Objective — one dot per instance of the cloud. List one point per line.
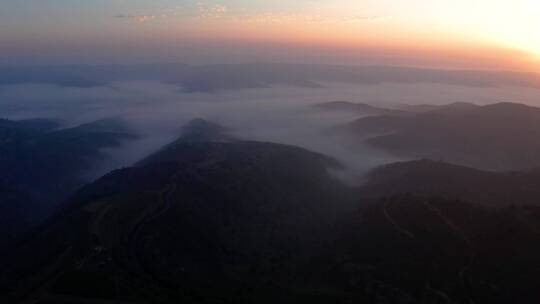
(220, 12)
(143, 18)
(224, 15)
(217, 11)
(365, 18)
(139, 18)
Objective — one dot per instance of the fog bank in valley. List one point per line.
(157, 110)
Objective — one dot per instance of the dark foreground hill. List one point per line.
(201, 220)
(434, 178)
(500, 136)
(41, 164)
(411, 249)
(214, 219)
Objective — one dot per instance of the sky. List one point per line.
(490, 34)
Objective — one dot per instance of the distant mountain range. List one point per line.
(219, 77)
(422, 108)
(500, 136)
(359, 108)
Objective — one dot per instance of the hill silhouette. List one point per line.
(483, 137)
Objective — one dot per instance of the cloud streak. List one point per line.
(138, 18)
(219, 12)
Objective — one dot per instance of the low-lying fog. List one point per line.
(279, 114)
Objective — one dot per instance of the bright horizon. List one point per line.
(496, 34)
